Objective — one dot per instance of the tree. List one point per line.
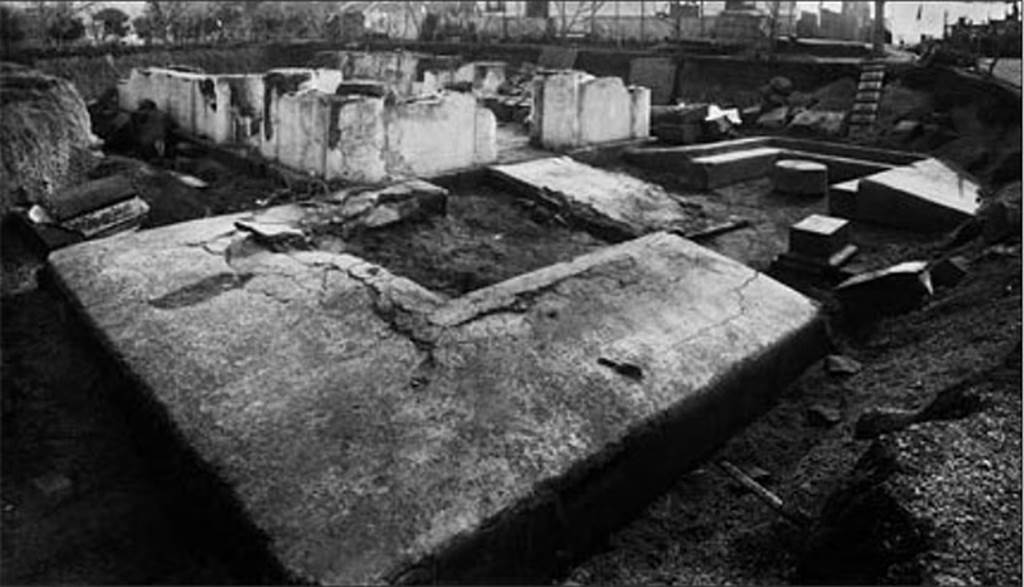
(143, 25)
(115, 22)
(66, 28)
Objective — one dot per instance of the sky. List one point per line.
(902, 16)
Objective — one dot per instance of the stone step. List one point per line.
(872, 76)
(872, 96)
(860, 118)
(865, 108)
(873, 86)
(726, 168)
(869, 66)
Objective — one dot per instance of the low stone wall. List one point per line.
(295, 117)
(573, 108)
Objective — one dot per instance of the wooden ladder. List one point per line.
(869, 95)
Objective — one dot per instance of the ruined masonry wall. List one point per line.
(292, 116)
(573, 108)
(414, 74)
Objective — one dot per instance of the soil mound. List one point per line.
(44, 144)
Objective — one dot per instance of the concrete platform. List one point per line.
(373, 431)
(613, 204)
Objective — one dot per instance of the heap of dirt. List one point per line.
(44, 146)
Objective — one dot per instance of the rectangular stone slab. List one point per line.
(376, 432)
(609, 201)
(928, 196)
(726, 168)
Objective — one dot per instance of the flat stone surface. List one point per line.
(928, 195)
(609, 200)
(819, 236)
(722, 169)
(372, 429)
(798, 176)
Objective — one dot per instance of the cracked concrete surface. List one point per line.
(376, 431)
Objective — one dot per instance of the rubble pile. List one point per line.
(514, 99)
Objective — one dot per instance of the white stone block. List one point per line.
(355, 139)
(556, 123)
(640, 112)
(605, 113)
(431, 135)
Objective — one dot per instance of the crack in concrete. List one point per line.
(738, 291)
(519, 302)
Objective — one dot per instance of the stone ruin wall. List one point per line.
(293, 116)
(574, 108)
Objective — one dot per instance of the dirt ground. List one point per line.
(487, 236)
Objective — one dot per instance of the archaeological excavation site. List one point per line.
(511, 293)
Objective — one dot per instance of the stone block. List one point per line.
(572, 108)
(819, 236)
(948, 272)
(485, 76)
(614, 203)
(303, 122)
(842, 199)
(89, 196)
(892, 290)
(719, 169)
(431, 135)
(928, 196)
(556, 122)
(640, 112)
(605, 111)
(356, 139)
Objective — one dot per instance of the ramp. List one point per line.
(617, 205)
(928, 196)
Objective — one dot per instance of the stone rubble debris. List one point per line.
(821, 416)
(891, 290)
(818, 245)
(841, 365)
